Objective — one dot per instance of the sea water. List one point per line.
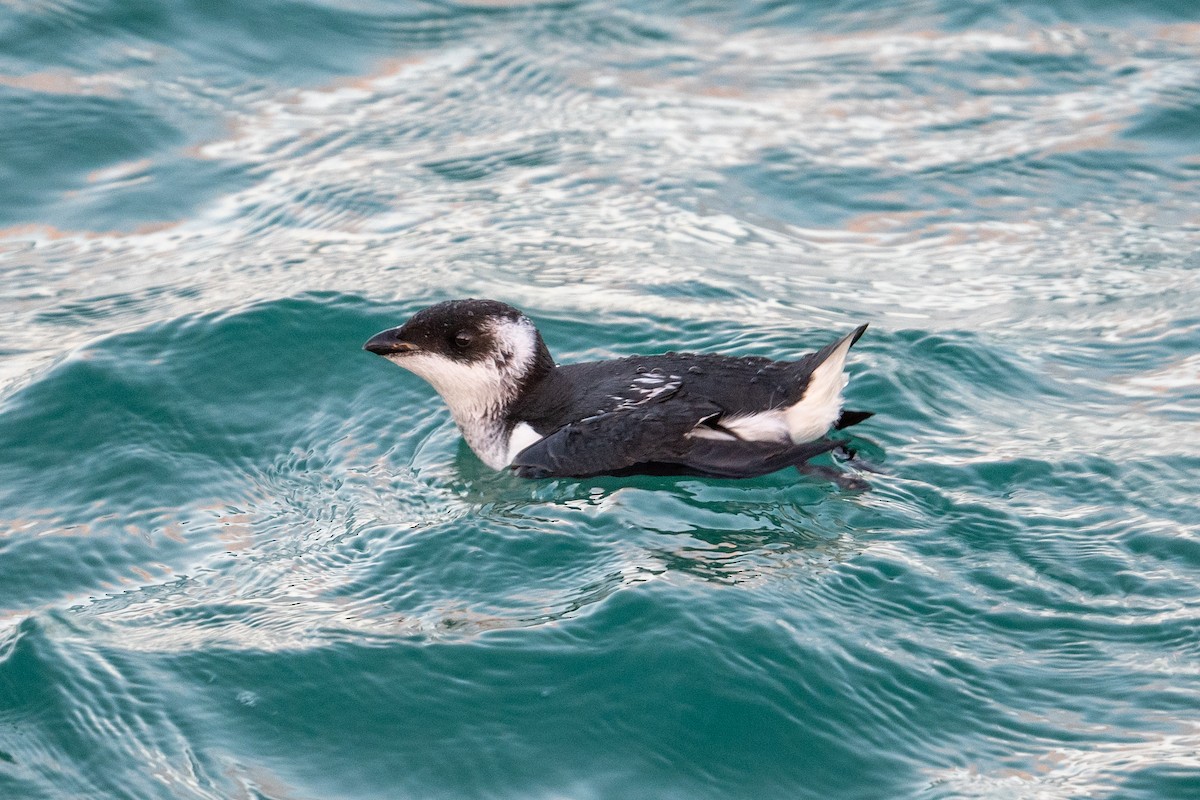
(241, 558)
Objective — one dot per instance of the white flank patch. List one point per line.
(705, 432)
(804, 421)
(765, 426)
(821, 405)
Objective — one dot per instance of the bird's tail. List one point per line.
(849, 418)
(821, 405)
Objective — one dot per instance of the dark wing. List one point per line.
(613, 441)
(653, 439)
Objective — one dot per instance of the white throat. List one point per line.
(479, 393)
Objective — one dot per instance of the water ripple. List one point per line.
(228, 536)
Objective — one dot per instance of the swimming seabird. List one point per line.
(673, 414)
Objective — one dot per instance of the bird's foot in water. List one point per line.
(844, 480)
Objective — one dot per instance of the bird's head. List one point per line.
(477, 354)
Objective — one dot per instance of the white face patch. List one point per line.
(479, 393)
(517, 343)
(469, 389)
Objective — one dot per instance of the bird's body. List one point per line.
(678, 413)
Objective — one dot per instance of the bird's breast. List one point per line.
(522, 436)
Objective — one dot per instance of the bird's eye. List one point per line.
(463, 339)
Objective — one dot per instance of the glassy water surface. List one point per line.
(241, 558)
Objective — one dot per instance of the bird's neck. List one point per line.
(488, 436)
(486, 418)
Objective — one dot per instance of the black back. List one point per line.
(732, 385)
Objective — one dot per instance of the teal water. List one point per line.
(240, 558)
